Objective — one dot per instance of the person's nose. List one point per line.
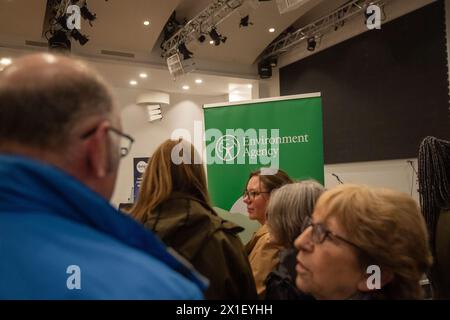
(247, 199)
(304, 241)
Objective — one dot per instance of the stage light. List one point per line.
(245, 21)
(59, 42)
(202, 38)
(82, 39)
(216, 37)
(311, 44)
(86, 14)
(184, 51)
(264, 69)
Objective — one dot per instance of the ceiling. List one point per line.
(119, 28)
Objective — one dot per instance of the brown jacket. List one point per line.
(210, 243)
(263, 257)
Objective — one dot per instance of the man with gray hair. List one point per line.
(60, 149)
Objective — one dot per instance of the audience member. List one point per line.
(174, 203)
(59, 154)
(363, 243)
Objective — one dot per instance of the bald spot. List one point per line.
(44, 96)
(41, 70)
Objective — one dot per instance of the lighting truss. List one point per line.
(320, 26)
(210, 17)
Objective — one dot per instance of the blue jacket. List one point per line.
(60, 240)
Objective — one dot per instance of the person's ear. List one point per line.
(375, 278)
(97, 151)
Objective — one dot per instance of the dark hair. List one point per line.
(271, 181)
(434, 182)
(41, 115)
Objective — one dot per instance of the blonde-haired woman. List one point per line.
(363, 243)
(174, 203)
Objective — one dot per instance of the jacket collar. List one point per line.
(34, 187)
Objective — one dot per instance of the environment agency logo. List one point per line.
(233, 146)
(225, 147)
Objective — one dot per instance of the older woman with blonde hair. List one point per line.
(287, 211)
(174, 203)
(363, 243)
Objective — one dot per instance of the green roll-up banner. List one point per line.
(284, 133)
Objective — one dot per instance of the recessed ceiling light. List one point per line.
(133, 82)
(272, 30)
(146, 23)
(199, 81)
(143, 75)
(185, 87)
(5, 61)
(211, 42)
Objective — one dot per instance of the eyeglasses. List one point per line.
(125, 143)
(252, 194)
(320, 233)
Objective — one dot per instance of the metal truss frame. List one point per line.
(320, 26)
(210, 17)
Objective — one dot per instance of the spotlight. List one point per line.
(245, 21)
(86, 14)
(82, 39)
(311, 44)
(59, 42)
(265, 69)
(171, 27)
(202, 38)
(184, 51)
(216, 37)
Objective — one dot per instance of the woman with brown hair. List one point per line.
(174, 203)
(363, 243)
(262, 252)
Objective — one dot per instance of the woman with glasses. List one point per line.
(363, 243)
(262, 252)
(174, 203)
(288, 209)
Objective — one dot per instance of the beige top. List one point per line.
(263, 257)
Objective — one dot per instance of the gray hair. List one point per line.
(41, 111)
(288, 207)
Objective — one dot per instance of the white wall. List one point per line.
(182, 112)
(394, 174)
(269, 88)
